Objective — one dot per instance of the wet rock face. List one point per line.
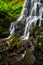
(20, 25)
(41, 1)
(42, 22)
(28, 7)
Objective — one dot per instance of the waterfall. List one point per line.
(31, 12)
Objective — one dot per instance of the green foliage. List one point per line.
(9, 11)
(12, 7)
(27, 57)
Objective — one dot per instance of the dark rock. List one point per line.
(1, 58)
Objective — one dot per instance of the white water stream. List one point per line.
(30, 16)
(36, 11)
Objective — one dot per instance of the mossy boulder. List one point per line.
(29, 59)
(37, 40)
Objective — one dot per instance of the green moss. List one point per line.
(20, 50)
(14, 40)
(38, 33)
(36, 41)
(27, 58)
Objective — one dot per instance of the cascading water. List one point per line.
(31, 12)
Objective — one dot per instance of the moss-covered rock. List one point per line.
(29, 59)
(37, 40)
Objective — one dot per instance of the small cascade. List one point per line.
(31, 13)
(35, 14)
